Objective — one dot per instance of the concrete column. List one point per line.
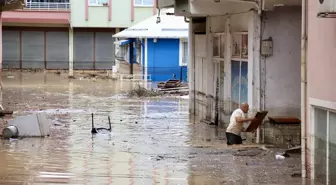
(191, 69)
(209, 72)
(0, 45)
(227, 89)
(254, 66)
(146, 63)
(1, 60)
(71, 52)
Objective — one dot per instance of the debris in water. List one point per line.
(293, 150)
(143, 92)
(248, 152)
(279, 157)
(296, 174)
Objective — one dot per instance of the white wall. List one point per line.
(283, 68)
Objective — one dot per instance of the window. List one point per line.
(144, 2)
(240, 45)
(98, 2)
(218, 46)
(324, 146)
(185, 54)
(239, 83)
(215, 46)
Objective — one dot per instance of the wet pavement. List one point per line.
(152, 140)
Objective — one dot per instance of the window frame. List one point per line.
(221, 46)
(96, 4)
(240, 36)
(314, 105)
(142, 4)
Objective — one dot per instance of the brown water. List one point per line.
(152, 141)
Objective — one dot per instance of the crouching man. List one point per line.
(237, 120)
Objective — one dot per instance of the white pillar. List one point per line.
(209, 72)
(254, 85)
(71, 52)
(1, 59)
(227, 95)
(146, 63)
(191, 69)
(1, 43)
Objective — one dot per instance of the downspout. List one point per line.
(304, 88)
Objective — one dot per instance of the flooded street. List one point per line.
(152, 140)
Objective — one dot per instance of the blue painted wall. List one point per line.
(163, 60)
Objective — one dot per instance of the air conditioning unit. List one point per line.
(326, 9)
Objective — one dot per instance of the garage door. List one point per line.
(11, 49)
(83, 50)
(57, 50)
(33, 49)
(104, 47)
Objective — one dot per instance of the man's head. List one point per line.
(244, 107)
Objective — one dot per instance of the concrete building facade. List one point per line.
(229, 65)
(320, 103)
(67, 34)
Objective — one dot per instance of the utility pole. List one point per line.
(131, 55)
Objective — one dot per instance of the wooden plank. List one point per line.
(256, 123)
(284, 120)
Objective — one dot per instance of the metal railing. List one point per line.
(52, 6)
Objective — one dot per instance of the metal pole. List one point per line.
(131, 54)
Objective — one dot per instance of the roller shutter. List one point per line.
(83, 50)
(57, 50)
(11, 49)
(33, 49)
(104, 47)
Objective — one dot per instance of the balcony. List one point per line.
(47, 5)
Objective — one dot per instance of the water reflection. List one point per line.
(151, 141)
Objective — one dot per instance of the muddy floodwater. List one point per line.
(152, 140)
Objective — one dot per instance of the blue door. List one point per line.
(163, 60)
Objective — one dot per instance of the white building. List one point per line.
(224, 44)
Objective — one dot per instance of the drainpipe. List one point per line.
(304, 87)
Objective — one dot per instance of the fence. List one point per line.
(52, 6)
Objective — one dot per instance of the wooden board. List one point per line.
(256, 123)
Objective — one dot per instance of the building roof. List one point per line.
(170, 27)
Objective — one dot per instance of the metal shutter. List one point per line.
(33, 49)
(83, 50)
(104, 50)
(11, 49)
(57, 50)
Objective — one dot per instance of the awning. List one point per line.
(170, 26)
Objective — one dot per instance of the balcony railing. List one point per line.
(52, 6)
